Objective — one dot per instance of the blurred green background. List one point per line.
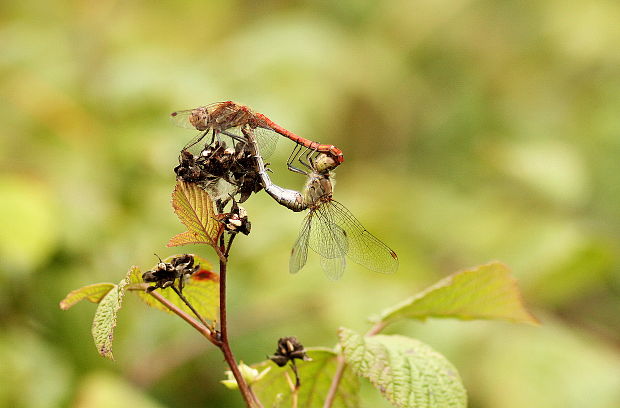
(472, 131)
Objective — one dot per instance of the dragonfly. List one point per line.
(329, 228)
(229, 118)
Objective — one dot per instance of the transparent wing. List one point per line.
(326, 237)
(196, 140)
(299, 253)
(220, 189)
(181, 118)
(329, 241)
(266, 139)
(333, 267)
(363, 247)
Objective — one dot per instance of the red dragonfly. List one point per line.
(229, 117)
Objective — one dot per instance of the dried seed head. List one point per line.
(166, 274)
(236, 220)
(289, 348)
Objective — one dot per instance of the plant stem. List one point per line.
(176, 310)
(294, 390)
(376, 328)
(247, 394)
(333, 388)
(188, 304)
(230, 241)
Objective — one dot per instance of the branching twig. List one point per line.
(230, 241)
(204, 330)
(188, 304)
(294, 389)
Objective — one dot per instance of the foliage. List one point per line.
(485, 292)
(201, 289)
(316, 377)
(406, 371)
(194, 208)
(93, 293)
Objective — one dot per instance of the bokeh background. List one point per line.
(472, 130)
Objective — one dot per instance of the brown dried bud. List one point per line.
(166, 273)
(289, 348)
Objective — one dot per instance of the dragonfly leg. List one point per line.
(309, 158)
(233, 136)
(196, 140)
(294, 155)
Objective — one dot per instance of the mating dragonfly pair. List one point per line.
(329, 229)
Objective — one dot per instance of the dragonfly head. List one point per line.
(199, 118)
(324, 163)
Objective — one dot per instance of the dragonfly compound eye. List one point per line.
(325, 163)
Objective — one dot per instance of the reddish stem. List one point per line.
(176, 310)
(247, 394)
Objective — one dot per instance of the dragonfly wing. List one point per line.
(333, 267)
(299, 253)
(195, 140)
(267, 140)
(363, 247)
(181, 118)
(328, 240)
(221, 189)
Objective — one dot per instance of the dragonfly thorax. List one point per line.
(318, 189)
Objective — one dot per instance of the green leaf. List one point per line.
(485, 292)
(105, 317)
(202, 290)
(194, 208)
(407, 372)
(316, 377)
(93, 293)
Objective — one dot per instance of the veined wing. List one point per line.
(333, 267)
(266, 139)
(329, 240)
(221, 189)
(363, 247)
(181, 118)
(299, 253)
